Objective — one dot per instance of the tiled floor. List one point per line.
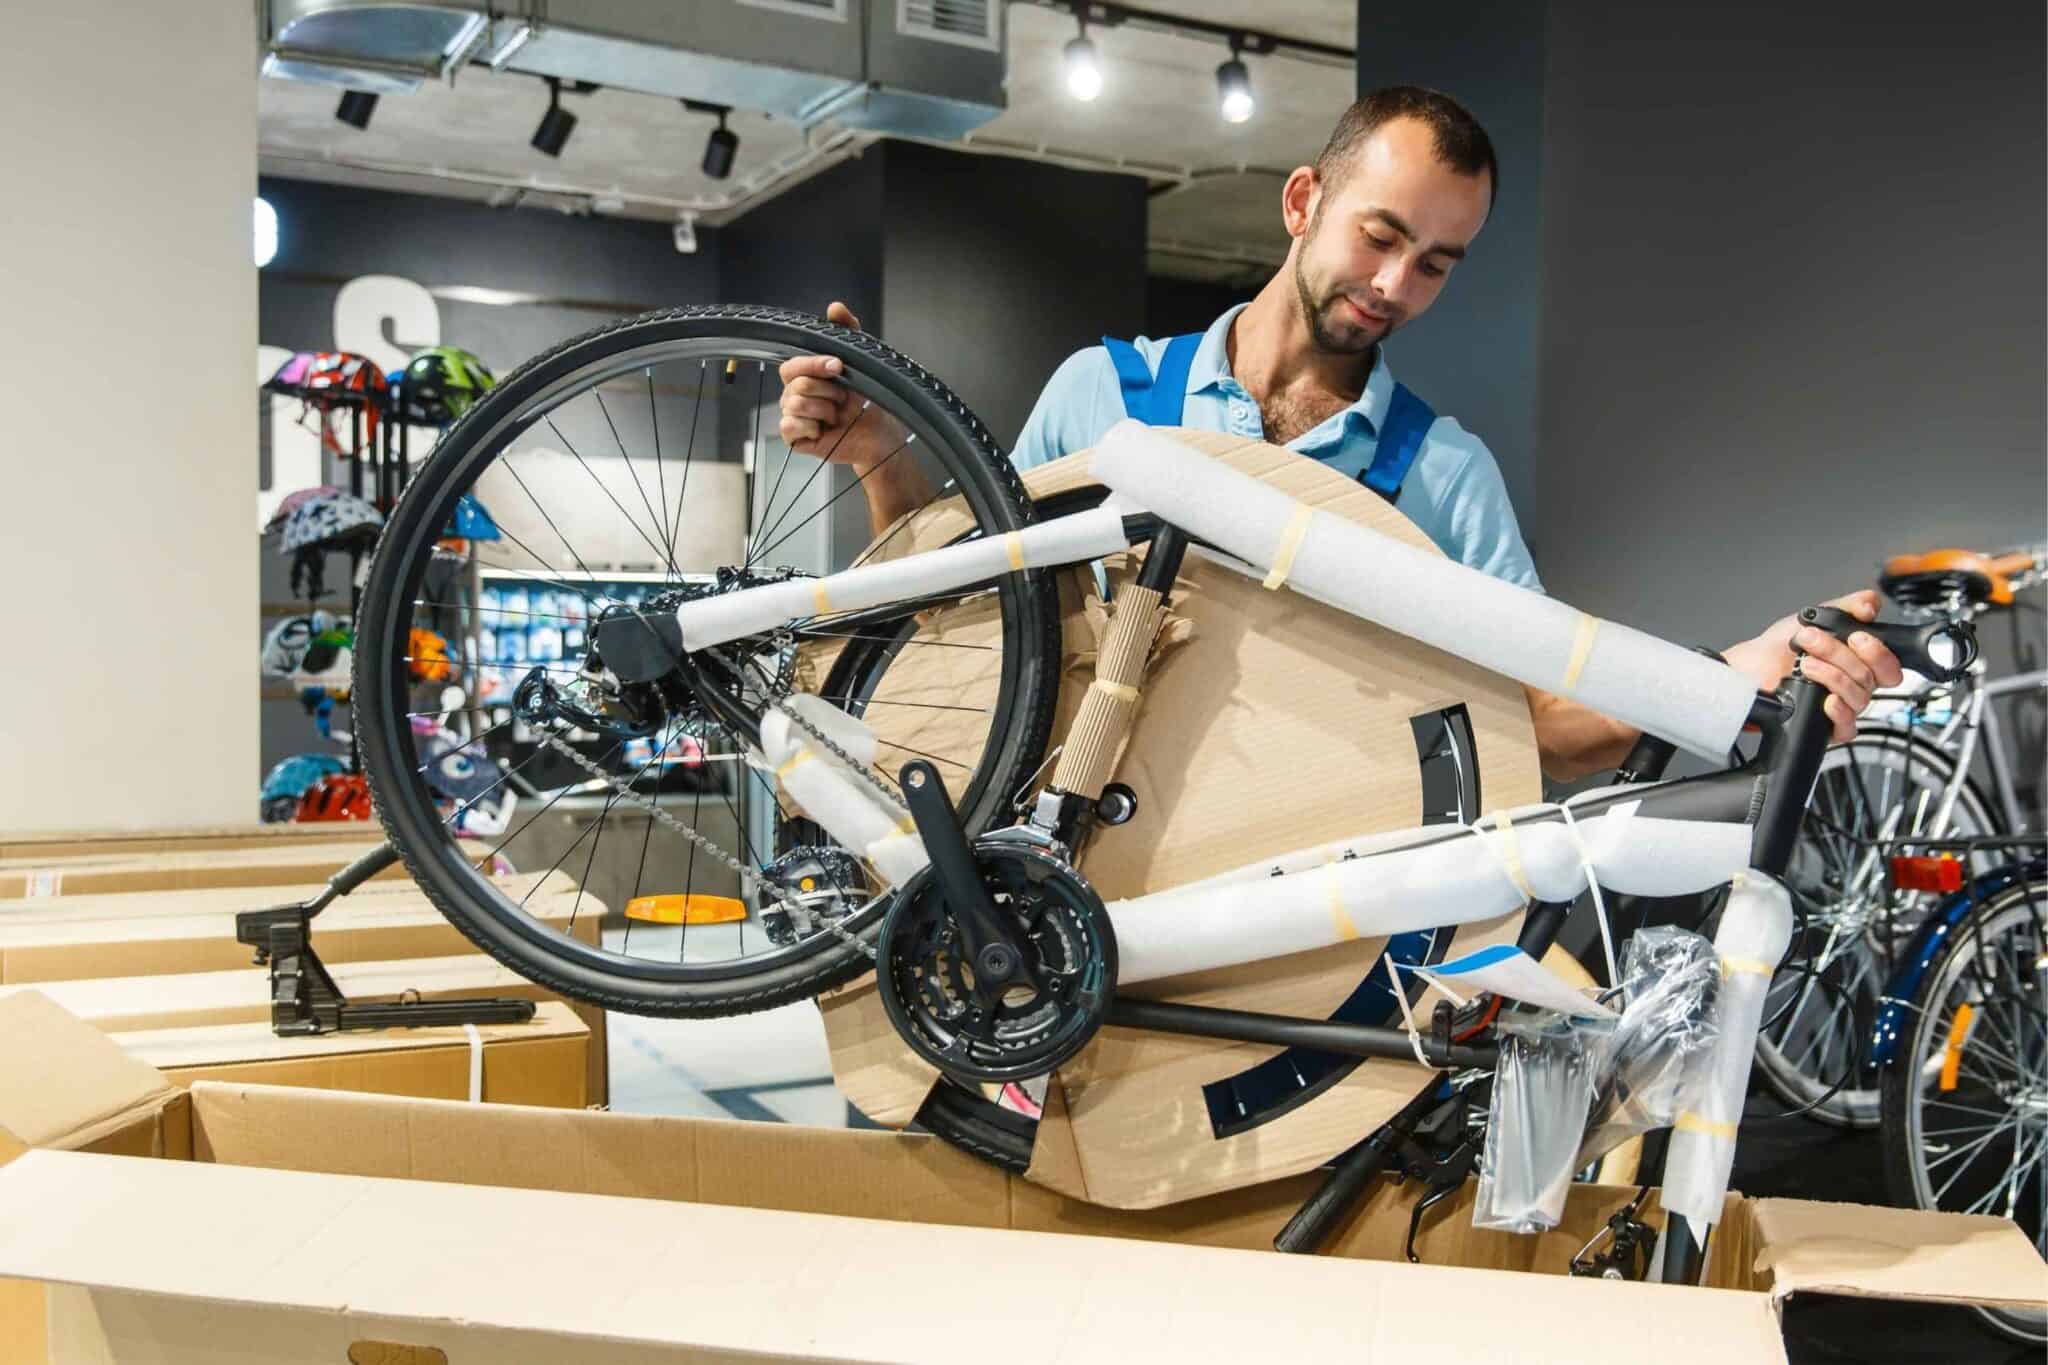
(770, 1066)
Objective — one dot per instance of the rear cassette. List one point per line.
(1033, 1024)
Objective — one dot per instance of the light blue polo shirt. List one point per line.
(1453, 492)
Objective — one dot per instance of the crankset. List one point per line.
(997, 962)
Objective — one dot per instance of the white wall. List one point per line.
(127, 561)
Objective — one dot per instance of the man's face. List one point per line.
(1383, 240)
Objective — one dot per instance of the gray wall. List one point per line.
(996, 270)
(1474, 356)
(1792, 301)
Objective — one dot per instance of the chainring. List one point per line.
(927, 986)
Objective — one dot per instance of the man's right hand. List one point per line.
(824, 418)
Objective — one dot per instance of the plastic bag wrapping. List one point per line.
(1542, 1088)
(1756, 928)
(1668, 981)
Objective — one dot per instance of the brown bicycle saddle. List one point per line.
(1930, 578)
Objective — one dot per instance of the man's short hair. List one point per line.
(1460, 142)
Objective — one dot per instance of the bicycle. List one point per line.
(995, 959)
(1906, 775)
(1961, 1042)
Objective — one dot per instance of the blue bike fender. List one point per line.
(1895, 1013)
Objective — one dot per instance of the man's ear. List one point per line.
(1298, 200)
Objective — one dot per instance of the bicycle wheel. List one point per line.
(1825, 996)
(1965, 1104)
(631, 469)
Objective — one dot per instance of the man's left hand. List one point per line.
(1849, 669)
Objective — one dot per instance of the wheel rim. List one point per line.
(775, 512)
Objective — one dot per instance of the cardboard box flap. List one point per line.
(63, 1083)
(1809, 1247)
(432, 1264)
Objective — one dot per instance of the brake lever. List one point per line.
(1920, 648)
(1445, 1179)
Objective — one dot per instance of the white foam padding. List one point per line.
(1062, 540)
(1689, 699)
(1479, 874)
(1756, 928)
(830, 792)
(848, 731)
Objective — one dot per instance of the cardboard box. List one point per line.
(54, 944)
(272, 863)
(124, 1004)
(1270, 723)
(412, 1230)
(145, 904)
(66, 1086)
(89, 843)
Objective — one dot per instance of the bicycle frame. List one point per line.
(1763, 800)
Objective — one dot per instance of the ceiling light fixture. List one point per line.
(1084, 73)
(266, 233)
(555, 125)
(1234, 87)
(355, 108)
(723, 145)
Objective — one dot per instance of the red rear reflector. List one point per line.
(1927, 874)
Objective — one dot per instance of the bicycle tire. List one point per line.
(964, 449)
(1899, 1084)
(1850, 1107)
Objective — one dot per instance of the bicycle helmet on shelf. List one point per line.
(291, 502)
(290, 378)
(289, 779)
(439, 385)
(427, 656)
(461, 772)
(327, 521)
(472, 521)
(342, 796)
(305, 645)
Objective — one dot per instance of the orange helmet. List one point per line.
(344, 796)
(427, 655)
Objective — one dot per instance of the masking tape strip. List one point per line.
(821, 602)
(1290, 545)
(1340, 920)
(1510, 853)
(795, 761)
(1689, 1122)
(1013, 544)
(1733, 966)
(1582, 648)
(476, 1063)
(1114, 690)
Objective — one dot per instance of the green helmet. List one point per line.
(439, 385)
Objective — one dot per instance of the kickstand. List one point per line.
(303, 996)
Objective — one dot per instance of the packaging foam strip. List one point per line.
(1685, 697)
(1062, 540)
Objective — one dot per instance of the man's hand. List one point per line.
(822, 417)
(1850, 670)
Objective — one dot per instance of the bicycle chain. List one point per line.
(749, 879)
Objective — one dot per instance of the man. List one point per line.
(1377, 224)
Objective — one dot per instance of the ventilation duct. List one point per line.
(915, 68)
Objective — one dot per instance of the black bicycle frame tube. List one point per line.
(1795, 754)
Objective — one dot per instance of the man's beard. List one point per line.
(1317, 316)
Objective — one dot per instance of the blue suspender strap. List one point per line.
(1408, 420)
(1154, 400)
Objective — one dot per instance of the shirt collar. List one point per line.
(1210, 368)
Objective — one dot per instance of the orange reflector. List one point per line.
(1958, 1034)
(1928, 874)
(690, 909)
